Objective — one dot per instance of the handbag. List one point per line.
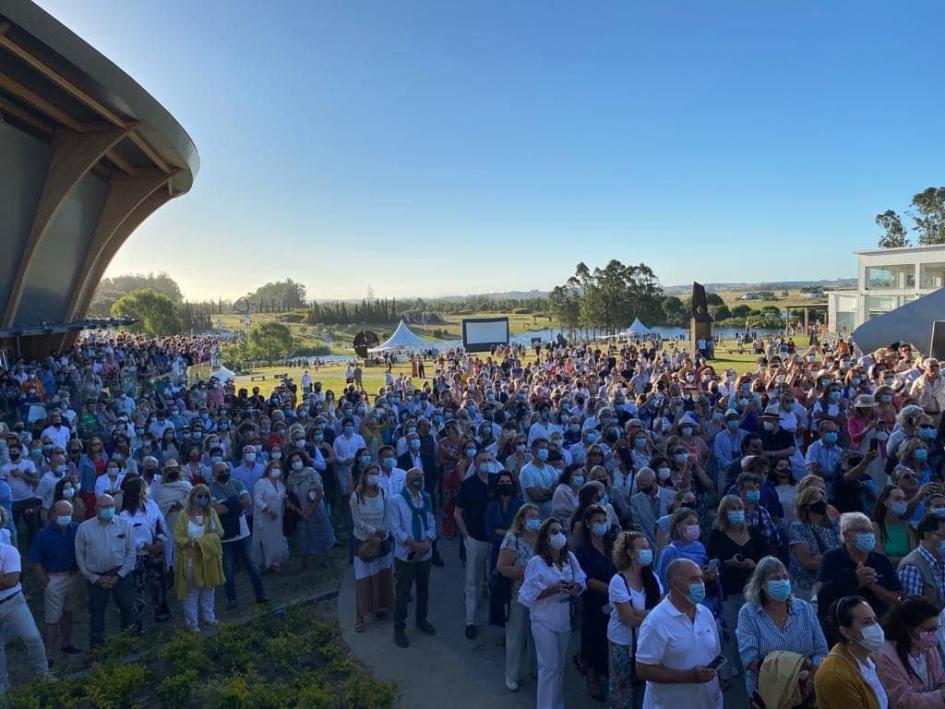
(575, 604)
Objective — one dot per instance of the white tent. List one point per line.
(637, 328)
(403, 338)
(223, 374)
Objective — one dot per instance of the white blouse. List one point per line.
(553, 611)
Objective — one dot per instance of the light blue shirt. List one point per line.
(545, 478)
(758, 635)
(826, 457)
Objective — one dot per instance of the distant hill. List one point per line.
(763, 286)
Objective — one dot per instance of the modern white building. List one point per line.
(886, 280)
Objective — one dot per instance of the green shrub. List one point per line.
(177, 687)
(113, 686)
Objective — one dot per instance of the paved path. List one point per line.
(448, 668)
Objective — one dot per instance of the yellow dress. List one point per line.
(200, 566)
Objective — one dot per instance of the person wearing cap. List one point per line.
(929, 389)
(776, 442)
(862, 423)
(727, 445)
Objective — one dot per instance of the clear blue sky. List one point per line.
(436, 147)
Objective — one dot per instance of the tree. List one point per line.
(929, 215)
(894, 234)
(279, 296)
(565, 304)
(713, 299)
(110, 290)
(720, 312)
(675, 311)
(741, 311)
(155, 314)
(271, 341)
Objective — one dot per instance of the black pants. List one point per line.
(124, 594)
(30, 512)
(149, 575)
(408, 573)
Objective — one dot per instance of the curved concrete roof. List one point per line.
(88, 156)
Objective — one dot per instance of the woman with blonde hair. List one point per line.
(371, 515)
(633, 591)
(516, 549)
(198, 568)
(737, 547)
(811, 535)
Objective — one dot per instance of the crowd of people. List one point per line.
(684, 530)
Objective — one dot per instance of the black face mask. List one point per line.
(818, 507)
(223, 478)
(505, 489)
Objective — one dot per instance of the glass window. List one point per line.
(884, 277)
(933, 275)
(846, 323)
(880, 305)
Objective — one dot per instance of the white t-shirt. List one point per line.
(21, 489)
(9, 564)
(668, 638)
(621, 592)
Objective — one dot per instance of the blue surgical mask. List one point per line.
(365, 459)
(753, 496)
(921, 454)
(387, 463)
(696, 593)
(639, 442)
(779, 589)
(533, 524)
(736, 517)
(106, 514)
(645, 557)
(898, 508)
(927, 434)
(865, 541)
(830, 437)
(415, 443)
(591, 437)
(835, 396)
(542, 454)
(599, 528)
(577, 480)
(733, 424)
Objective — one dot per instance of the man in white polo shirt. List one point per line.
(15, 617)
(677, 643)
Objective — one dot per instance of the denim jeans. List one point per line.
(240, 549)
(17, 622)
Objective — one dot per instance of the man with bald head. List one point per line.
(53, 557)
(678, 641)
(105, 554)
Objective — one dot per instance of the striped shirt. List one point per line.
(758, 635)
(911, 578)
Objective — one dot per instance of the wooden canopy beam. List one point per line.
(84, 290)
(38, 103)
(63, 83)
(28, 118)
(73, 155)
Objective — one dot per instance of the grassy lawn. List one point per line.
(339, 337)
(794, 299)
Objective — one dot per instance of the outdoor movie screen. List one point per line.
(480, 334)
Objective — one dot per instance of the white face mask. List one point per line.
(276, 473)
(557, 540)
(372, 480)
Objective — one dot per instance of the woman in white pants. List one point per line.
(198, 569)
(553, 579)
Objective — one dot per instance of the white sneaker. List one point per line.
(511, 685)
